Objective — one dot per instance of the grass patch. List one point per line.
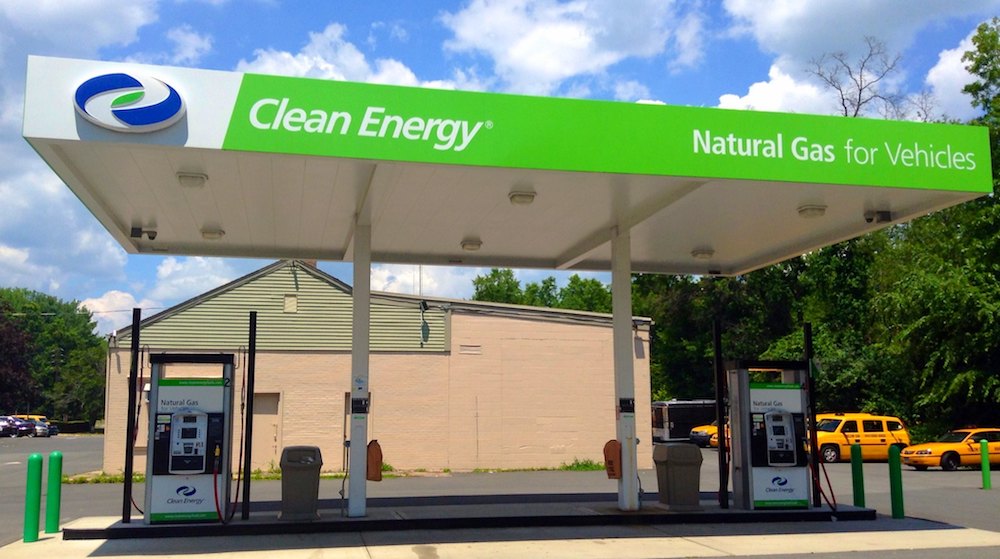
(101, 477)
(578, 465)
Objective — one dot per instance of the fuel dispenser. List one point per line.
(768, 404)
(188, 463)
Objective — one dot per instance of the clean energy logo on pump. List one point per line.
(186, 491)
(128, 103)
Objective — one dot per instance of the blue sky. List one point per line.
(741, 54)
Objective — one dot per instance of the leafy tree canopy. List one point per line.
(56, 352)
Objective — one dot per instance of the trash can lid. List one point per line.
(677, 453)
(301, 455)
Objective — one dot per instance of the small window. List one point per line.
(990, 436)
(291, 303)
(895, 426)
(872, 426)
(850, 427)
(470, 349)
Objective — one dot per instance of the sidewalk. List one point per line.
(864, 538)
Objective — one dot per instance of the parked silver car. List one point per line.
(41, 428)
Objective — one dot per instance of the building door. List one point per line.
(266, 431)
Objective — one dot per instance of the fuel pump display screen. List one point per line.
(189, 432)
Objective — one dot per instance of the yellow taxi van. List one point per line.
(836, 432)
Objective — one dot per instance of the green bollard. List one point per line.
(896, 482)
(984, 453)
(53, 500)
(33, 498)
(857, 476)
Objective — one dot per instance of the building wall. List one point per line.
(512, 393)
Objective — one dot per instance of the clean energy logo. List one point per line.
(186, 491)
(779, 481)
(128, 103)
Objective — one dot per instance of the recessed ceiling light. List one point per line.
(472, 245)
(812, 211)
(212, 234)
(521, 197)
(192, 180)
(702, 253)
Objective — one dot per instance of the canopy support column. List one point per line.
(357, 490)
(621, 308)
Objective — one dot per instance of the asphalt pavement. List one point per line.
(939, 506)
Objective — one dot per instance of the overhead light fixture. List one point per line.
(472, 245)
(702, 253)
(812, 211)
(521, 197)
(212, 234)
(191, 180)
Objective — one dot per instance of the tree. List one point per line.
(585, 295)
(15, 359)
(544, 294)
(859, 84)
(499, 286)
(66, 358)
(984, 63)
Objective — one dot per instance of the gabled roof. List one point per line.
(460, 305)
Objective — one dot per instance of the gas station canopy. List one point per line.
(194, 162)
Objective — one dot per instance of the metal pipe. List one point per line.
(130, 418)
(896, 482)
(248, 431)
(720, 413)
(857, 475)
(53, 498)
(984, 454)
(33, 498)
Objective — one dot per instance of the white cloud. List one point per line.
(437, 281)
(62, 245)
(113, 309)
(329, 55)
(535, 45)
(630, 90)
(800, 31)
(81, 26)
(781, 93)
(946, 80)
(689, 41)
(50, 242)
(181, 279)
(189, 46)
(395, 31)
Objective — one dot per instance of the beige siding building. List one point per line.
(456, 385)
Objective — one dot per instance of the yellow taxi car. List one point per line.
(702, 434)
(836, 432)
(713, 441)
(955, 448)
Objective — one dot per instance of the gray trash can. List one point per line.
(300, 467)
(678, 474)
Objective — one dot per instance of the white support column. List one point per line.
(357, 493)
(621, 308)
